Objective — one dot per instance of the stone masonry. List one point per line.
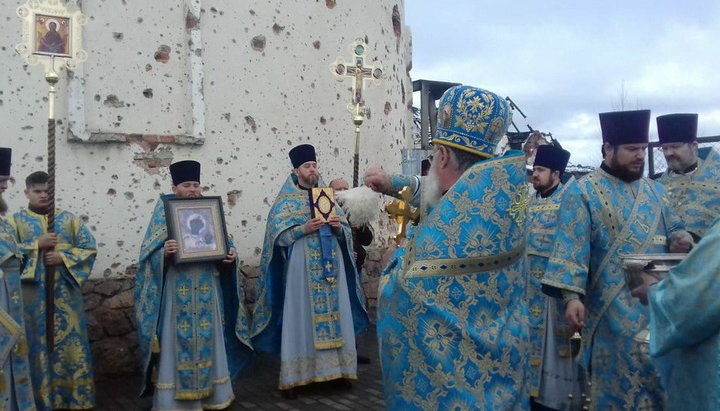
(111, 321)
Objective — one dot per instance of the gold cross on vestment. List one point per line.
(184, 326)
(205, 288)
(320, 302)
(315, 255)
(15, 297)
(315, 268)
(403, 213)
(184, 290)
(205, 324)
(536, 311)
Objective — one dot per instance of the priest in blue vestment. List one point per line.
(692, 179)
(62, 379)
(452, 315)
(310, 304)
(16, 392)
(608, 213)
(685, 326)
(555, 377)
(192, 322)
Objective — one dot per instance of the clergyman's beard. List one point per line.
(3, 206)
(540, 187)
(431, 190)
(309, 182)
(624, 173)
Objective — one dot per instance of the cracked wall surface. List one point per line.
(232, 84)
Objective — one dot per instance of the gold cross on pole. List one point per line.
(357, 70)
(403, 213)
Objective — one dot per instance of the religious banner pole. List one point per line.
(52, 78)
(51, 30)
(358, 72)
(358, 118)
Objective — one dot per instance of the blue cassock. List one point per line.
(290, 211)
(15, 384)
(554, 374)
(452, 315)
(191, 306)
(695, 196)
(685, 327)
(601, 218)
(63, 379)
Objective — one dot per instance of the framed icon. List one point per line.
(198, 226)
(52, 36)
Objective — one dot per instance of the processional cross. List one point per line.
(358, 72)
(51, 30)
(403, 213)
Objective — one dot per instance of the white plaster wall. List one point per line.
(257, 105)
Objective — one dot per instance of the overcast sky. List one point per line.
(563, 62)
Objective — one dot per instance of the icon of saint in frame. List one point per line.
(52, 36)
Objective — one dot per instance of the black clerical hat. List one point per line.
(677, 128)
(182, 171)
(625, 127)
(552, 157)
(302, 154)
(5, 157)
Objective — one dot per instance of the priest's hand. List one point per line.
(334, 222)
(47, 241)
(230, 257)
(680, 242)
(52, 259)
(640, 292)
(575, 314)
(170, 248)
(313, 225)
(378, 180)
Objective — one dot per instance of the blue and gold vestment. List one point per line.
(548, 339)
(601, 218)
(695, 196)
(197, 288)
(290, 211)
(64, 380)
(685, 327)
(452, 315)
(15, 380)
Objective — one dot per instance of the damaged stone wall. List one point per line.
(232, 84)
